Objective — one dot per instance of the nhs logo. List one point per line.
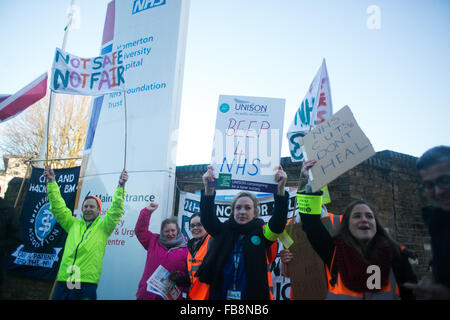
(141, 5)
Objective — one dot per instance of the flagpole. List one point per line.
(126, 128)
(125, 135)
(45, 138)
(47, 129)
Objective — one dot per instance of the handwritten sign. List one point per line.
(247, 142)
(337, 145)
(87, 76)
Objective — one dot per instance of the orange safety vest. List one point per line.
(336, 220)
(199, 290)
(269, 279)
(338, 291)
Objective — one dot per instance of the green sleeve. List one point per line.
(58, 207)
(114, 213)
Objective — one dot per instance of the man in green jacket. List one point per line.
(81, 265)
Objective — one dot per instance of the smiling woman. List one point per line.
(167, 249)
(362, 261)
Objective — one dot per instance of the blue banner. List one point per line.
(40, 253)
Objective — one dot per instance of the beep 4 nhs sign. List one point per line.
(247, 142)
(141, 5)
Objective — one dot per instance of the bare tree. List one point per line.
(22, 136)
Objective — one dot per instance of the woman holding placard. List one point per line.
(362, 261)
(236, 264)
(167, 250)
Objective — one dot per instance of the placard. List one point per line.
(337, 145)
(88, 76)
(247, 142)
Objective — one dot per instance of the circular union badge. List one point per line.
(255, 240)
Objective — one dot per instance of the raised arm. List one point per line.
(115, 211)
(141, 229)
(208, 217)
(278, 220)
(317, 234)
(57, 204)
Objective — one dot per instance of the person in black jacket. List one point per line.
(434, 169)
(235, 265)
(10, 234)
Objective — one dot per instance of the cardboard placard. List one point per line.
(337, 145)
(306, 270)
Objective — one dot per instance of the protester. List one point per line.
(197, 247)
(81, 265)
(236, 264)
(434, 169)
(10, 234)
(167, 249)
(362, 260)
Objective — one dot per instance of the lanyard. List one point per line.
(236, 260)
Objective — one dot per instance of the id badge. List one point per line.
(233, 295)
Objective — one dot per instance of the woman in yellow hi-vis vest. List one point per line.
(362, 261)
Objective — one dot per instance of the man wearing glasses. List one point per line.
(434, 169)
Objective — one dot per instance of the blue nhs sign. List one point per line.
(141, 5)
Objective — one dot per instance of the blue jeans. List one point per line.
(87, 291)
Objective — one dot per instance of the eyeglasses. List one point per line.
(443, 182)
(195, 225)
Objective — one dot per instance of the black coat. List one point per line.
(224, 236)
(10, 233)
(438, 222)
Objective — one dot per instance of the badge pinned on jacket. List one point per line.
(255, 240)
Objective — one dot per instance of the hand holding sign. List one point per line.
(280, 178)
(208, 177)
(123, 178)
(49, 174)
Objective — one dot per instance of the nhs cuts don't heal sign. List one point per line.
(247, 142)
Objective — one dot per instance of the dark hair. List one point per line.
(433, 156)
(170, 221)
(197, 214)
(344, 230)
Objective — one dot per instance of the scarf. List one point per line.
(353, 267)
(195, 244)
(211, 270)
(178, 242)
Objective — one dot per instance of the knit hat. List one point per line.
(99, 202)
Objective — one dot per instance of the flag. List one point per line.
(88, 76)
(12, 105)
(43, 238)
(315, 108)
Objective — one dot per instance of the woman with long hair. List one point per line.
(362, 261)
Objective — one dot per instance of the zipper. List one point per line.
(76, 250)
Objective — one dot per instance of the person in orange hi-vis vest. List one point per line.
(361, 261)
(197, 247)
(286, 255)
